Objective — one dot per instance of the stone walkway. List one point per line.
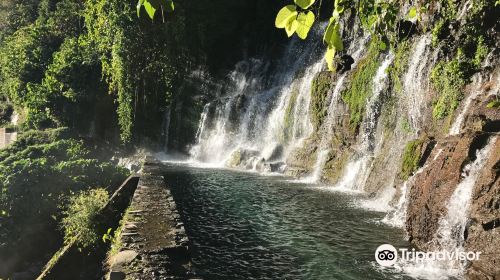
(154, 244)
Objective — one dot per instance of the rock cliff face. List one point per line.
(434, 186)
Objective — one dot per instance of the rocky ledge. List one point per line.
(153, 243)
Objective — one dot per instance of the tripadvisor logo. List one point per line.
(387, 255)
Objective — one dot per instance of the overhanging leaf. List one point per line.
(291, 27)
(284, 16)
(332, 36)
(304, 4)
(149, 9)
(329, 56)
(305, 22)
(139, 6)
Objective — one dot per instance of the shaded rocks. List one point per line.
(343, 63)
(406, 29)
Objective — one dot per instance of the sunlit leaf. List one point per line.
(149, 9)
(291, 27)
(170, 7)
(329, 56)
(332, 36)
(304, 4)
(305, 22)
(139, 6)
(284, 16)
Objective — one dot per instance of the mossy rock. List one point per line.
(320, 87)
(411, 158)
(361, 86)
(334, 167)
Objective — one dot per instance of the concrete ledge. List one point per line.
(70, 262)
(154, 244)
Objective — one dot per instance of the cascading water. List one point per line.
(166, 128)
(333, 101)
(414, 81)
(450, 234)
(358, 169)
(260, 120)
(397, 217)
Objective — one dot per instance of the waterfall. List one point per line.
(329, 124)
(449, 236)
(457, 124)
(262, 114)
(397, 217)
(358, 169)
(414, 80)
(166, 128)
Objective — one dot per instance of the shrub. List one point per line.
(80, 216)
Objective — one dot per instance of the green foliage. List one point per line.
(399, 65)
(40, 167)
(411, 158)
(361, 86)
(481, 52)
(296, 22)
(81, 216)
(493, 104)
(449, 78)
(319, 91)
(438, 32)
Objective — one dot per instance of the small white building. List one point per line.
(6, 138)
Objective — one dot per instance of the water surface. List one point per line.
(246, 226)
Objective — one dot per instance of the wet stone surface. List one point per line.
(154, 244)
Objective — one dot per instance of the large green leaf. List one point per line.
(291, 27)
(151, 6)
(305, 22)
(304, 4)
(284, 15)
(329, 56)
(139, 6)
(150, 9)
(332, 36)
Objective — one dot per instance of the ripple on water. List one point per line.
(245, 226)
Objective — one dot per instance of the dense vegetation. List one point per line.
(38, 174)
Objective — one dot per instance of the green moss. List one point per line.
(448, 79)
(438, 32)
(319, 91)
(289, 121)
(405, 126)
(361, 87)
(411, 158)
(334, 168)
(481, 52)
(400, 64)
